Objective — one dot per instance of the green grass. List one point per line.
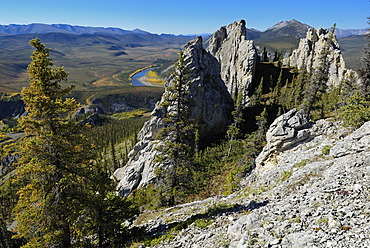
(285, 175)
(130, 114)
(326, 150)
(201, 220)
(301, 164)
(203, 223)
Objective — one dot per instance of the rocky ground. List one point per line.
(308, 193)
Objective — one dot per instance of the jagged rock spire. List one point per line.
(309, 51)
(211, 111)
(237, 57)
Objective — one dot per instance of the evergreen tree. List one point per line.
(277, 89)
(259, 92)
(264, 55)
(300, 85)
(290, 54)
(262, 128)
(105, 211)
(316, 89)
(178, 136)
(338, 95)
(276, 56)
(234, 131)
(356, 112)
(281, 57)
(313, 51)
(285, 98)
(257, 140)
(55, 159)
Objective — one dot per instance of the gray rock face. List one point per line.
(237, 57)
(307, 199)
(356, 142)
(286, 131)
(7, 164)
(310, 50)
(211, 111)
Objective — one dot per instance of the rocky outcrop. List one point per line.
(309, 198)
(7, 164)
(211, 111)
(286, 131)
(12, 108)
(225, 69)
(357, 142)
(237, 57)
(310, 50)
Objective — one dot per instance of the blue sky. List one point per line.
(185, 17)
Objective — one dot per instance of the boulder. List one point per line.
(211, 111)
(286, 131)
(237, 57)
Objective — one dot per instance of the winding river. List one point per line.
(135, 79)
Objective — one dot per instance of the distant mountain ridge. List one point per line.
(296, 29)
(284, 28)
(284, 24)
(39, 28)
(341, 33)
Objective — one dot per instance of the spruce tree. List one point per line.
(281, 57)
(313, 51)
(300, 85)
(264, 55)
(356, 112)
(317, 86)
(178, 136)
(234, 131)
(276, 56)
(290, 54)
(55, 159)
(105, 211)
(277, 89)
(259, 92)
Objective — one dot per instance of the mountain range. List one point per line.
(283, 28)
(39, 28)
